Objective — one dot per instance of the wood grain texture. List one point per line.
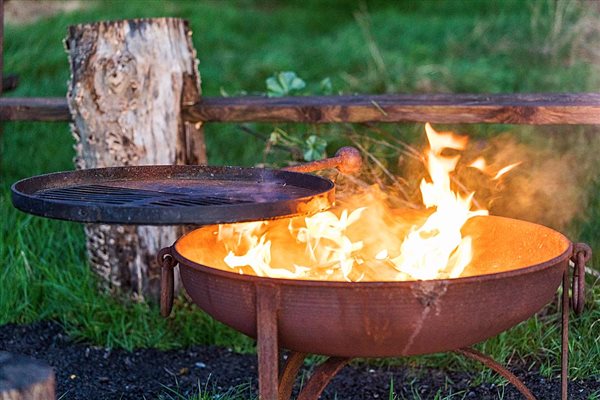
(129, 80)
(526, 109)
(535, 109)
(49, 109)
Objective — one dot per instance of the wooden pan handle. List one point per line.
(347, 160)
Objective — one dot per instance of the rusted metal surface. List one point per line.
(321, 377)
(564, 357)
(582, 253)
(378, 319)
(167, 280)
(267, 343)
(382, 319)
(347, 160)
(490, 363)
(287, 377)
(172, 194)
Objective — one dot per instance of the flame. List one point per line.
(257, 255)
(326, 241)
(438, 245)
(481, 165)
(504, 170)
(367, 240)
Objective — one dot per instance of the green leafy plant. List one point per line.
(314, 148)
(284, 84)
(325, 86)
(297, 140)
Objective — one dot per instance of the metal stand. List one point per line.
(276, 384)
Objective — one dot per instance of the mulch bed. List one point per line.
(89, 372)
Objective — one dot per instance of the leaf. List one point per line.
(284, 83)
(273, 88)
(223, 92)
(314, 148)
(326, 86)
(274, 138)
(279, 136)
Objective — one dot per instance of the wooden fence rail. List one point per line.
(528, 109)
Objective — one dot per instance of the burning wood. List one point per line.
(364, 239)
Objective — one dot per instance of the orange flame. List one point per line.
(437, 246)
(481, 165)
(368, 240)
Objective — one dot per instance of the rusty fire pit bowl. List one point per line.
(516, 269)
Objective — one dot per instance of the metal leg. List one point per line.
(492, 364)
(270, 385)
(273, 386)
(267, 346)
(564, 361)
(321, 377)
(582, 253)
(288, 374)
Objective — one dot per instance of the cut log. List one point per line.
(23, 378)
(129, 81)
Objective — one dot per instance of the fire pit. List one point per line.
(388, 319)
(513, 270)
(381, 319)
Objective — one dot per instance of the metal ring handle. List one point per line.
(582, 253)
(167, 280)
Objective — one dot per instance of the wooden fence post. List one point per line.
(129, 81)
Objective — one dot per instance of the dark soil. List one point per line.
(89, 372)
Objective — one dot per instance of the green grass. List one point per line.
(209, 392)
(244, 392)
(416, 47)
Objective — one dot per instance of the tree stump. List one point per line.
(23, 378)
(129, 80)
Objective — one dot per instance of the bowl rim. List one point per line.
(260, 280)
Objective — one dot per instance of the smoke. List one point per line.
(550, 186)
(380, 233)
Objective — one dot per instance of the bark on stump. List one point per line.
(129, 80)
(23, 378)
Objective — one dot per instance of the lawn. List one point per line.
(366, 47)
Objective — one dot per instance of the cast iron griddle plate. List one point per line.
(172, 194)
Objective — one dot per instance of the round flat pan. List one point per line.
(172, 194)
(517, 267)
